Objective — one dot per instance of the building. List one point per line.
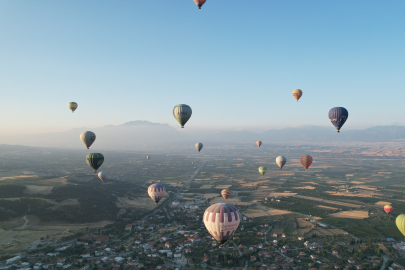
(128, 227)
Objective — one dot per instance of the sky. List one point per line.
(234, 62)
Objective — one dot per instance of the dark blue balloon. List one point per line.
(338, 117)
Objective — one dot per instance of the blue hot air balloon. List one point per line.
(338, 117)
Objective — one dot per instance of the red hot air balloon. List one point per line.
(156, 192)
(259, 143)
(199, 3)
(388, 209)
(221, 221)
(226, 193)
(306, 161)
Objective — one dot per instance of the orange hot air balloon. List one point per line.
(259, 143)
(199, 3)
(226, 193)
(388, 209)
(297, 93)
(306, 161)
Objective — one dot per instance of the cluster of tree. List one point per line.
(11, 191)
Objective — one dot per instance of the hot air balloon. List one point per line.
(199, 3)
(199, 146)
(226, 193)
(192, 163)
(262, 170)
(400, 221)
(281, 160)
(259, 143)
(388, 209)
(221, 221)
(72, 106)
(297, 93)
(306, 161)
(87, 138)
(182, 113)
(147, 157)
(102, 176)
(338, 116)
(156, 192)
(95, 160)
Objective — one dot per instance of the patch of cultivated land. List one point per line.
(146, 204)
(223, 186)
(213, 195)
(327, 207)
(320, 231)
(328, 201)
(262, 213)
(305, 187)
(382, 203)
(21, 237)
(354, 214)
(206, 186)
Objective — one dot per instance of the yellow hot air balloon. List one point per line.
(72, 106)
(226, 193)
(400, 221)
(147, 157)
(297, 93)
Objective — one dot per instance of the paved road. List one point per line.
(173, 196)
(246, 265)
(385, 258)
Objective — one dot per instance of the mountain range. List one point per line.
(145, 135)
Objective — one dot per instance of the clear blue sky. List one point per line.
(234, 62)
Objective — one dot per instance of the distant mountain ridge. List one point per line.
(144, 134)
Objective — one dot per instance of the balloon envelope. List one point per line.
(297, 93)
(87, 138)
(388, 209)
(221, 221)
(259, 143)
(199, 146)
(156, 192)
(306, 161)
(226, 193)
(95, 160)
(72, 106)
(182, 113)
(281, 160)
(102, 176)
(262, 170)
(147, 157)
(338, 116)
(199, 3)
(400, 221)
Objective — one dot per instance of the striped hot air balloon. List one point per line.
(297, 93)
(182, 113)
(156, 192)
(95, 160)
(306, 161)
(221, 221)
(72, 106)
(259, 143)
(262, 170)
(388, 209)
(226, 193)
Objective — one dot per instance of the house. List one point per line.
(313, 257)
(99, 253)
(187, 250)
(358, 267)
(168, 245)
(275, 242)
(273, 266)
(206, 258)
(128, 227)
(274, 235)
(300, 238)
(177, 254)
(260, 233)
(86, 267)
(337, 266)
(351, 261)
(283, 251)
(86, 255)
(302, 253)
(169, 254)
(189, 260)
(283, 235)
(119, 259)
(335, 252)
(252, 258)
